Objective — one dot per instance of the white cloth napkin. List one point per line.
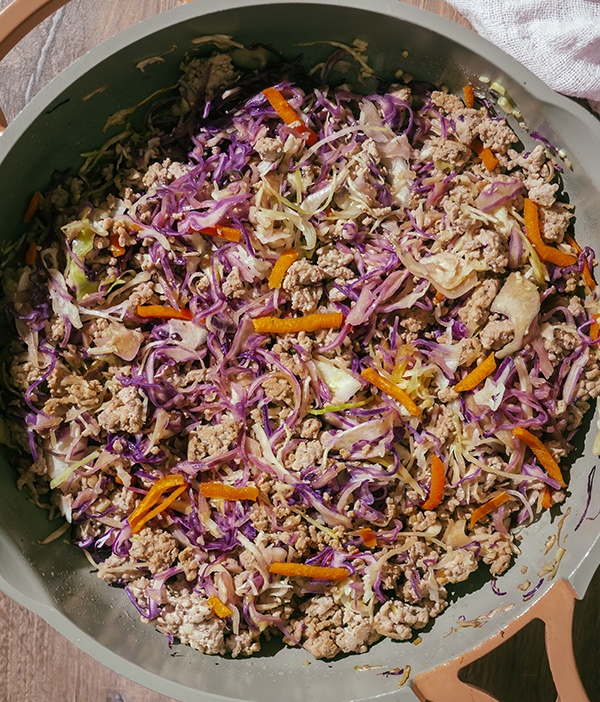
(558, 40)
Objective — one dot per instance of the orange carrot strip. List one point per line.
(588, 276)
(142, 513)
(531, 215)
(488, 507)
(486, 155)
(439, 297)
(547, 498)
(587, 273)
(218, 607)
(281, 267)
(31, 255)
(137, 525)
(229, 233)
(477, 375)
(569, 239)
(163, 312)
(488, 158)
(391, 389)
(368, 537)
(541, 453)
(438, 479)
(292, 325)
(115, 248)
(558, 257)
(469, 96)
(288, 114)
(32, 207)
(594, 330)
(301, 570)
(228, 492)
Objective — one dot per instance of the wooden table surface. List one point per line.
(37, 663)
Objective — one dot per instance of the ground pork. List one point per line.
(233, 285)
(447, 151)
(335, 263)
(157, 548)
(536, 172)
(163, 173)
(475, 312)
(554, 222)
(560, 340)
(245, 643)
(328, 629)
(307, 454)
(496, 334)
(279, 390)
(303, 284)
(497, 551)
(455, 566)
(72, 391)
(189, 618)
(125, 411)
(269, 149)
(210, 439)
(397, 620)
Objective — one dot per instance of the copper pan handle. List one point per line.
(17, 19)
(555, 609)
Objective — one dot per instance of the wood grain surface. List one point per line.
(36, 663)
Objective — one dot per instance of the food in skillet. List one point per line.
(294, 361)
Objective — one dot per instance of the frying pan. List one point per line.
(560, 552)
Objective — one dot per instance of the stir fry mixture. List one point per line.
(293, 361)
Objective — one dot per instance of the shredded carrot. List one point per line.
(163, 312)
(469, 96)
(115, 248)
(588, 276)
(292, 325)
(144, 512)
(488, 507)
(531, 215)
(485, 154)
(32, 207)
(391, 389)
(569, 239)
(541, 453)
(439, 297)
(594, 330)
(229, 233)
(31, 255)
(228, 492)
(281, 267)
(301, 570)
(587, 272)
(368, 537)
(438, 479)
(547, 498)
(288, 114)
(558, 257)
(159, 508)
(477, 375)
(218, 607)
(488, 158)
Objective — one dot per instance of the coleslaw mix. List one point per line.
(294, 360)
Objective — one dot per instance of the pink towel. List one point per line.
(558, 40)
